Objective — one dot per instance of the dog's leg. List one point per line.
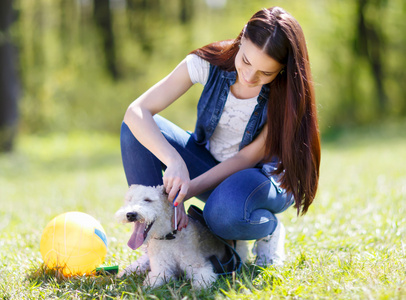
(140, 266)
(201, 277)
(162, 271)
(154, 279)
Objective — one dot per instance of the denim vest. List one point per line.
(211, 105)
(210, 108)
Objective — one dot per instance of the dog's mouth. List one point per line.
(139, 234)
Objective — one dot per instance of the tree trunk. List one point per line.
(103, 19)
(9, 84)
(186, 11)
(139, 12)
(371, 46)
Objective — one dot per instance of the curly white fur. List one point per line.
(186, 255)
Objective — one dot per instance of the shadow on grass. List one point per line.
(53, 283)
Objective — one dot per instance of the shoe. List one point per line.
(270, 250)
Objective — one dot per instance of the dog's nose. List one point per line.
(132, 216)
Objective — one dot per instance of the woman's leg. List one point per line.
(243, 206)
(142, 167)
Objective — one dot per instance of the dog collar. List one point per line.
(169, 236)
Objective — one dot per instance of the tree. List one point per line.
(186, 11)
(9, 84)
(370, 45)
(139, 16)
(103, 19)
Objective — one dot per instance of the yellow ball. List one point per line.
(74, 243)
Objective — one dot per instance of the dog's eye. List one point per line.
(147, 200)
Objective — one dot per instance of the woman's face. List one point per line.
(254, 67)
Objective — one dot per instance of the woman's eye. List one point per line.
(245, 61)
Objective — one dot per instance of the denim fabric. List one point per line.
(142, 167)
(243, 206)
(211, 105)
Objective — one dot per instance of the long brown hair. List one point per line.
(293, 133)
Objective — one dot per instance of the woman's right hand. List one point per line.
(176, 181)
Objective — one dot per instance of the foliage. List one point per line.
(66, 85)
(350, 245)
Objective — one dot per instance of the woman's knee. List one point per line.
(125, 132)
(127, 139)
(244, 205)
(233, 224)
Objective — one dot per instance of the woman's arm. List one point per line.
(247, 157)
(138, 118)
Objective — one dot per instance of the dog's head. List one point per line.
(150, 211)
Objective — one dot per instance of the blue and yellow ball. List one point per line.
(74, 243)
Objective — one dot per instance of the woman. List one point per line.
(255, 150)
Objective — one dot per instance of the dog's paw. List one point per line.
(202, 278)
(122, 273)
(154, 281)
(201, 284)
(140, 266)
(127, 272)
(132, 270)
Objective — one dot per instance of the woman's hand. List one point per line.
(182, 217)
(176, 181)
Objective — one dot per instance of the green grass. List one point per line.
(350, 245)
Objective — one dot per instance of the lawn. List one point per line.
(350, 245)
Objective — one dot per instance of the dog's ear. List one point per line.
(162, 190)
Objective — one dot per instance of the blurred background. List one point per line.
(69, 65)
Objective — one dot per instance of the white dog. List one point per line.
(171, 254)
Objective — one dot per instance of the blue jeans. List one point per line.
(242, 207)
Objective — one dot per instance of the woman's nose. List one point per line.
(250, 75)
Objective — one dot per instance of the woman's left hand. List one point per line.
(182, 217)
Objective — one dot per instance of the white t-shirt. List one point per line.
(225, 141)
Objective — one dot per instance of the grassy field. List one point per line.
(350, 245)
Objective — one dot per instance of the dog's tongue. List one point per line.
(137, 237)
